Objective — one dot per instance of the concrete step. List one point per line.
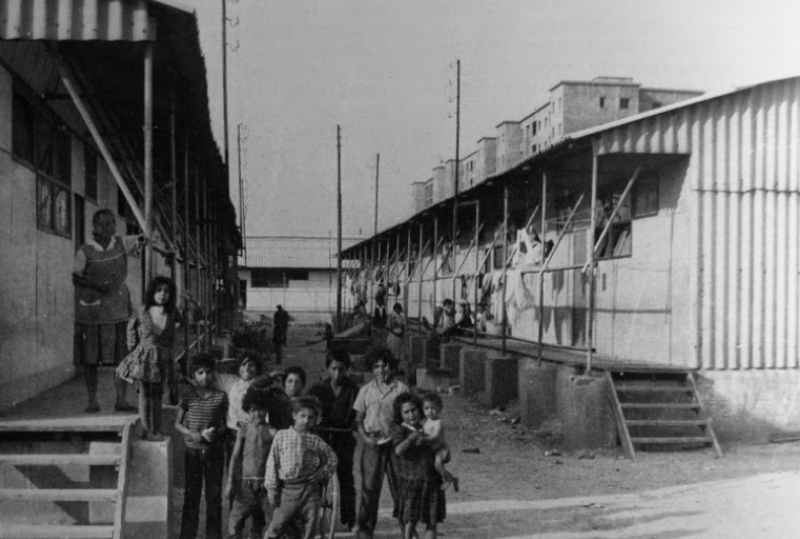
(682, 440)
(25, 531)
(654, 405)
(59, 459)
(632, 388)
(60, 494)
(666, 422)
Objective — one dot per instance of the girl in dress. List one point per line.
(151, 335)
(420, 497)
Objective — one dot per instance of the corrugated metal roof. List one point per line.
(294, 252)
(78, 20)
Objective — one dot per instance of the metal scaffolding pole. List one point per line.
(420, 274)
(505, 263)
(435, 261)
(543, 239)
(590, 241)
(477, 269)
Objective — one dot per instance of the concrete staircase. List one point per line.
(67, 483)
(659, 410)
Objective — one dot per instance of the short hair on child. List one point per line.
(307, 403)
(203, 360)
(253, 356)
(380, 353)
(434, 399)
(299, 371)
(338, 354)
(403, 399)
(257, 399)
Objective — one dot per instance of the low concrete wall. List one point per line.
(502, 384)
(433, 379)
(416, 346)
(472, 371)
(584, 409)
(148, 509)
(537, 391)
(752, 405)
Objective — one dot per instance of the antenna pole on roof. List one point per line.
(339, 225)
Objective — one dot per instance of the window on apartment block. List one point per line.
(602, 102)
(645, 198)
(624, 102)
(534, 127)
(90, 173)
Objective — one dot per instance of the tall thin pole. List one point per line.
(339, 228)
(377, 173)
(148, 159)
(186, 259)
(435, 260)
(241, 191)
(225, 83)
(173, 161)
(477, 267)
(420, 275)
(457, 165)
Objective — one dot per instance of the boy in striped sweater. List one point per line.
(201, 419)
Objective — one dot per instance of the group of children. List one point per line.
(280, 446)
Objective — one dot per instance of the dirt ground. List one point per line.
(515, 465)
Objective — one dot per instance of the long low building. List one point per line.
(668, 238)
(298, 273)
(103, 105)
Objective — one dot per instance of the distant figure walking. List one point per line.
(280, 329)
(103, 306)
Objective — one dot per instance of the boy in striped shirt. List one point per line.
(201, 419)
(298, 463)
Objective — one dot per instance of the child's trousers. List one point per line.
(299, 501)
(250, 502)
(203, 466)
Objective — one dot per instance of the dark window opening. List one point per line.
(645, 198)
(602, 102)
(80, 222)
(22, 122)
(624, 102)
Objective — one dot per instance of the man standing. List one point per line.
(102, 306)
(280, 322)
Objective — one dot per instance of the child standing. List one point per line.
(298, 462)
(245, 485)
(433, 429)
(420, 497)
(201, 420)
(151, 335)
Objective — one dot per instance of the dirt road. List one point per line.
(511, 488)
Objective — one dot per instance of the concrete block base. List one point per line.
(501, 381)
(584, 409)
(148, 507)
(449, 357)
(416, 345)
(433, 379)
(537, 391)
(472, 371)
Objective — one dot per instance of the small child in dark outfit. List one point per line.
(245, 485)
(201, 419)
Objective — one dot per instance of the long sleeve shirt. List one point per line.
(295, 457)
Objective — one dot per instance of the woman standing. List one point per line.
(395, 340)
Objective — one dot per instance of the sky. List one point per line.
(385, 72)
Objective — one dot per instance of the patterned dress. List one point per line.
(151, 359)
(419, 494)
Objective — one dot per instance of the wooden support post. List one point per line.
(148, 160)
(435, 262)
(186, 258)
(478, 227)
(408, 272)
(420, 272)
(543, 238)
(505, 264)
(590, 245)
(173, 168)
(198, 280)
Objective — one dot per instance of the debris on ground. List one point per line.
(585, 455)
(473, 450)
(552, 453)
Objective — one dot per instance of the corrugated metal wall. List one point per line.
(745, 188)
(108, 20)
(745, 176)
